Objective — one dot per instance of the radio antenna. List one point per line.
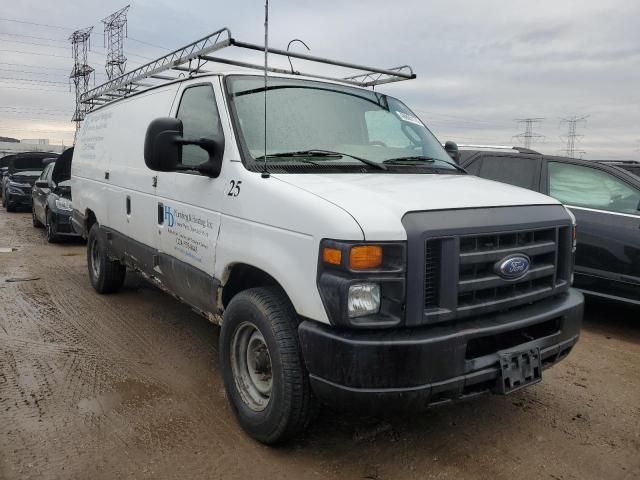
(265, 173)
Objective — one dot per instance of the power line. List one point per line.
(35, 53)
(34, 81)
(11, 34)
(39, 67)
(47, 89)
(33, 23)
(528, 135)
(149, 44)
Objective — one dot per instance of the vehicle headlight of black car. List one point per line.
(18, 188)
(63, 204)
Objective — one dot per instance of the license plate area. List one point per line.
(518, 370)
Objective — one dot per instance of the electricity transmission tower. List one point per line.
(528, 135)
(81, 72)
(115, 31)
(572, 134)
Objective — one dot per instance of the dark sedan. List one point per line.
(24, 169)
(52, 199)
(604, 196)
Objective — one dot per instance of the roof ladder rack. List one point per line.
(194, 56)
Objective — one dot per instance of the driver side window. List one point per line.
(589, 187)
(200, 118)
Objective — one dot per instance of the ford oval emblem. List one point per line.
(513, 267)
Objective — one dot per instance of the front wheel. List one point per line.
(107, 276)
(50, 227)
(36, 223)
(264, 374)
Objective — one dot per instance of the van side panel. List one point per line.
(266, 228)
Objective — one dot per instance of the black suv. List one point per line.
(603, 195)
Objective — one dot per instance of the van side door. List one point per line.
(607, 214)
(189, 211)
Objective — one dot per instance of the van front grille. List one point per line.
(469, 266)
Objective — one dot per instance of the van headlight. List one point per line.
(63, 204)
(362, 284)
(363, 299)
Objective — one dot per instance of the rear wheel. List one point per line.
(107, 276)
(264, 374)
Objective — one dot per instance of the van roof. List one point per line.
(192, 58)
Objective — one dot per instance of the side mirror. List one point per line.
(42, 184)
(452, 149)
(163, 148)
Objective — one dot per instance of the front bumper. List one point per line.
(62, 224)
(419, 367)
(18, 199)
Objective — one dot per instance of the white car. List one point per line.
(355, 264)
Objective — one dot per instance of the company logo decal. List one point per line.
(513, 266)
(169, 219)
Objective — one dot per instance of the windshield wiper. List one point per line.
(325, 154)
(414, 159)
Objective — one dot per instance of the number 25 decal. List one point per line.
(234, 189)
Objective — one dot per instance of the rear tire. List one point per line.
(264, 374)
(106, 275)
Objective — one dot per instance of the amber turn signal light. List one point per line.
(363, 257)
(332, 256)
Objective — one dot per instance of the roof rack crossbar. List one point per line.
(337, 63)
(238, 63)
(191, 58)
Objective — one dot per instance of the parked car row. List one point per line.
(40, 182)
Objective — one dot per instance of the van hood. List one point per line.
(379, 201)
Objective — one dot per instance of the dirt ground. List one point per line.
(128, 386)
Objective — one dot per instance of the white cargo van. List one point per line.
(356, 264)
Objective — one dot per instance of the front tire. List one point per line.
(50, 228)
(107, 276)
(264, 374)
(36, 223)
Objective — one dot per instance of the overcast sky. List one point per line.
(480, 64)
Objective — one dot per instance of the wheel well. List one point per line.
(90, 220)
(243, 277)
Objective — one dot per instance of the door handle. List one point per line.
(160, 213)
(128, 204)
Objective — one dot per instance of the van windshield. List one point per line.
(328, 125)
